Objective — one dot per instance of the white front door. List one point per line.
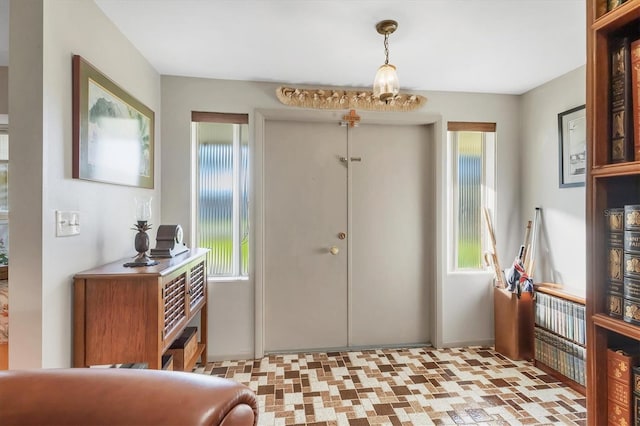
(373, 183)
(390, 234)
(305, 211)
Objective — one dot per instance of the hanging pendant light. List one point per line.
(386, 84)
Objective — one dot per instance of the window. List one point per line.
(472, 180)
(222, 142)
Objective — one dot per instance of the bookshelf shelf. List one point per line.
(608, 186)
(617, 326)
(615, 170)
(567, 294)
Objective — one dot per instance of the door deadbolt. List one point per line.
(342, 236)
(352, 159)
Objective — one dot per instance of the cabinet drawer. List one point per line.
(184, 348)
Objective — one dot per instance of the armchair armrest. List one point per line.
(91, 396)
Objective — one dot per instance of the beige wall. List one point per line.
(42, 266)
(4, 90)
(463, 301)
(562, 254)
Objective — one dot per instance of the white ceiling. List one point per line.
(492, 46)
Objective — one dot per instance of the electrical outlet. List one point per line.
(67, 223)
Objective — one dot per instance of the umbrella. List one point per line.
(517, 278)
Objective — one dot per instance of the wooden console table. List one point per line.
(130, 315)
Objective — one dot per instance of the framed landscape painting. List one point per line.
(572, 135)
(112, 131)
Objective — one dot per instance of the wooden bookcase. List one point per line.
(559, 330)
(607, 186)
(132, 315)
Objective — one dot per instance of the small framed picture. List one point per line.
(572, 136)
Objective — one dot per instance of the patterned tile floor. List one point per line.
(415, 386)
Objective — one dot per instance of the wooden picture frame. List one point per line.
(572, 142)
(113, 132)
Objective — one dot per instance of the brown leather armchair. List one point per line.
(105, 396)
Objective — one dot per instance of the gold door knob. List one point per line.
(334, 250)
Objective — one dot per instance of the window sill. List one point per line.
(226, 279)
(471, 272)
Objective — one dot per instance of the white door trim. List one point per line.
(258, 252)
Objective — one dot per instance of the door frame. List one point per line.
(258, 251)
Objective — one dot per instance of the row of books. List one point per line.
(561, 316)
(624, 105)
(623, 246)
(562, 355)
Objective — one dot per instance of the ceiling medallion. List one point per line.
(347, 99)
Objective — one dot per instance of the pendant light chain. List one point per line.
(386, 48)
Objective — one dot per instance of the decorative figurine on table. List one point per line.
(141, 242)
(169, 242)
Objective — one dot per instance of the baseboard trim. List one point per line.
(464, 344)
(250, 355)
(350, 348)
(230, 357)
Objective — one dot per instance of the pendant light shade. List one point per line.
(386, 84)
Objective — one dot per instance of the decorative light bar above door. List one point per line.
(347, 99)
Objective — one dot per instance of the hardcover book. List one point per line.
(632, 241)
(619, 392)
(635, 95)
(636, 380)
(615, 225)
(621, 131)
(619, 414)
(631, 288)
(615, 304)
(620, 365)
(632, 217)
(631, 265)
(631, 311)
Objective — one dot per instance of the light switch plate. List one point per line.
(67, 223)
